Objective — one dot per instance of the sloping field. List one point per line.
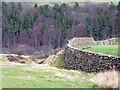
(16, 75)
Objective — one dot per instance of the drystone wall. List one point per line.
(111, 41)
(89, 61)
(82, 42)
(89, 41)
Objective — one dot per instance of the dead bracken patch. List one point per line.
(12, 58)
(20, 59)
(41, 62)
(23, 62)
(32, 58)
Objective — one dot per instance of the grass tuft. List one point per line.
(58, 60)
(108, 79)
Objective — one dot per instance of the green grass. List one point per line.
(105, 49)
(59, 62)
(41, 76)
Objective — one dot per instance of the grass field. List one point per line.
(15, 75)
(105, 49)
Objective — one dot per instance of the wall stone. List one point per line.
(89, 61)
(82, 42)
(111, 41)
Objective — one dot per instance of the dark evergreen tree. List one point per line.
(118, 7)
(36, 5)
(51, 26)
(76, 5)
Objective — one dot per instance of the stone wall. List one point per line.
(89, 61)
(89, 41)
(111, 41)
(82, 42)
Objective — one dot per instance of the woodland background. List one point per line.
(27, 29)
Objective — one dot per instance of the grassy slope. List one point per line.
(41, 76)
(59, 61)
(105, 49)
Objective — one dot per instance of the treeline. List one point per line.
(51, 26)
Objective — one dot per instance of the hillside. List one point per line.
(48, 75)
(41, 76)
(60, 44)
(28, 29)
